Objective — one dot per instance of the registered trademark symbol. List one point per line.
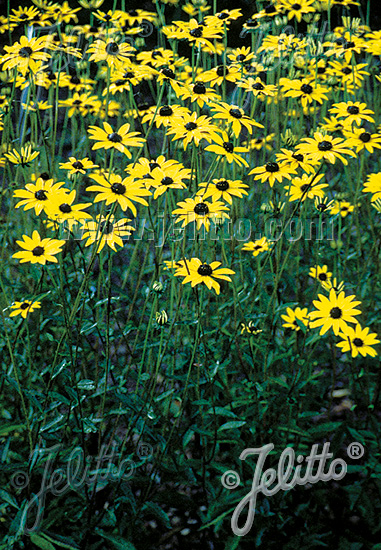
(355, 450)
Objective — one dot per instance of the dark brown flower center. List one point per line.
(229, 147)
(335, 313)
(77, 102)
(201, 209)
(38, 251)
(167, 181)
(112, 48)
(166, 110)
(205, 270)
(118, 188)
(270, 9)
(65, 208)
(307, 89)
(272, 167)
(190, 126)
(304, 187)
(298, 156)
(153, 165)
(196, 33)
(24, 305)
(74, 79)
(241, 57)
(114, 137)
(358, 342)
(106, 228)
(223, 15)
(325, 146)
(222, 71)
(40, 195)
(258, 86)
(77, 165)
(222, 185)
(235, 112)
(322, 277)
(365, 137)
(199, 88)
(168, 73)
(296, 6)
(346, 70)
(25, 52)
(353, 110)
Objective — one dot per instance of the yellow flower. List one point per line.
(293, 316)
(37, 250)
(306, 187)
(272, 172)
(125, 192)
(37, 195)
(60, 209)
(325, 147)
(120, 140)
(25, 55)
(258, 246)
(24, 158)
(235, 116)
(342, 207)
(199, 272)
(223, 147)
(373, 185)
(75, 166)
(321, 273)
(24, 308)
(352, 112)
(116, 55)
(334, 312)
(200, 211)
(358, 341)
(106, 231)
(222, 189)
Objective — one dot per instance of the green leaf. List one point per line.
(159, 514)
(41, 542)
(5, 429)
(118, 542)
(231, 425)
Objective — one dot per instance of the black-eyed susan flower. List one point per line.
(37, 195)
(76, 166)
(120, 140)
(294, 318)
(321, 273)
(352, 112)
(241, 55)
(143, 167)
(342, 207)
(257, 87)
(362, 139)
(222, 189)
(373, 185)
(305, 90)
(24, 15)
(171, 177)
(225, 148)
(165, 115)
(306, 187)
(325, 147)
(357, 341)
(26, 55)
(272, 172)
(106, 230)
(61, 209)
(198, 92)
(298, 9)
(235, 116)
(115, 55)
(192, 128)
(334, 312)
(221, 73)
(200, 272)
(258, 246)
(323, 205)
(37, 250)
(296, 160)
(24, 308)
(22, 158)
(332, 282)
(82, 104)
(200, 211)
(256, 144)
(250, 328)
(196, 34)
(123, 191)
